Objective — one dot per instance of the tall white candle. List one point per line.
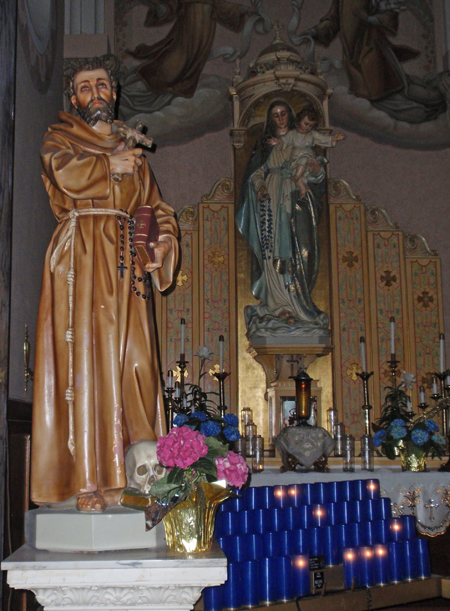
(422, 394)
(170, 379)
(221, 340)
(183, 328)
(362, 350)
(392, 325)
(447, 379)
(435, 387)
(441, 352)
(177, 390)
(408, 405)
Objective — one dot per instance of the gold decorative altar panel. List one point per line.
(379, 272)
(204, 291)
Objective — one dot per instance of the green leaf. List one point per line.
(176, 476)
(205, 466)
(163, 490)
(389, 451)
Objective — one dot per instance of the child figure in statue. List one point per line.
(302, 140)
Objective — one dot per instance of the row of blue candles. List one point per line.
(326, 541)
(381, 564)
(267, 580)
(295, 495)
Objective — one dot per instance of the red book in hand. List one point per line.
(146, 231)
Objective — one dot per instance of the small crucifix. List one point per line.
(121, 269)
(431, 505)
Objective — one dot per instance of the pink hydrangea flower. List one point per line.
(233, 469)
(182, 447)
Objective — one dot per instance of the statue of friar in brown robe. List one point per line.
(97, 386)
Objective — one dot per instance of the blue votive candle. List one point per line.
(396, 561)
(320, 495)
(410, 566)
(409, 525)
(351, 567)
(300, 575)
(284, 585)
(261, 520)
(373, 488)
(385, 508)
(267, 581)
(366, 572)
(250, 583)
(213, 598)
(300, 537)
(266, 498)
(232, 588)
(252, 497)
(292, 518)
(295, 495)
(382, 531)
(396, 529)
(281, 496)
(330, 546)
(319, 515)
(423, 558)
(380, 564)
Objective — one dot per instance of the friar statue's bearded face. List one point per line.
(93, 96)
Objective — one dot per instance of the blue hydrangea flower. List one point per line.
(180, 419)
(378, 438)
(420, 437)
(431, 425)
(397, 432)
(398, 422)
(439, 439)
(210, 428)
(231, 433)
(199, 416)
(231, 419)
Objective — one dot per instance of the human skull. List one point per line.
(142, 466)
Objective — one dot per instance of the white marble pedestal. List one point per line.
(157, 580)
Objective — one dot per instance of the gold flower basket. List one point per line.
(410, 462)
(189, 525)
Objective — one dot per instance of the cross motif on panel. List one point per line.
(389, 278)
(350, 258)
(181, 278)
(431, 505)
(425, 299)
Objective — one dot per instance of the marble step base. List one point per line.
(65, 530)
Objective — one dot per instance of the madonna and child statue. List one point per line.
(279, 211)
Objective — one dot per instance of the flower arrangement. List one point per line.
(192, 457)
(398, 430)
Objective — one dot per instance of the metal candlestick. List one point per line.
(365, 376)
(393, 367)
(441, 375)
(221, 377)
(169, 403)
(182, 365)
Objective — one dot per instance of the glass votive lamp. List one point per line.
(319, 515)
(349, 453)
(367, 453)
(246, 416)
(257, 454)
(396, 529)
(339, 432)
(332, 418)
(240, 447)
(250, 432)
(281, 496)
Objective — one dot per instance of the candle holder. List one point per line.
(442, 375)
(365, 376)
(302, 395)
(221, 377)
(182, 365)
(169, 404)
(393, 367)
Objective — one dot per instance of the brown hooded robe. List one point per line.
(116, 387)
